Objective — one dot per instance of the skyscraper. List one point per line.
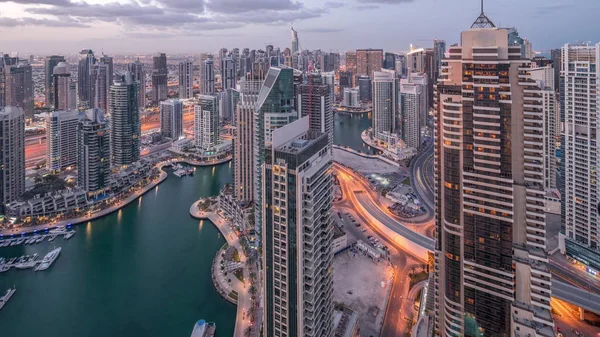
(274, 109)
(49, 65)
(186, 79)
(12, 155)
(85, 83)
(101, 79)
(544, 77)
(206, 122)
(315, 101)
(124, 121)
(243, 155)
(423, 80)
(491, 274)
(228, 73)
(410, 112)
(18, 87)
(93, 152)
(439, 50)
(385, 104)
(364, 88)
(108, 60)
(579, 95)
(208, 77)
(351, 62)
(171, 118)
(389, 61)
(64, 89)
(61, 139)
(159, 78)
(297, 240)
(295, 41)
(368, 61)
(139, 75)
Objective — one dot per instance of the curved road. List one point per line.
(421, 166)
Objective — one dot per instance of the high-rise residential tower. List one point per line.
(243, 155)
(139, 75)
(85, 83)
(274, 109)
(368, 61)
(18, 87)
(581, 191)
(186, 79)
(171, 118)
(491, 277)
(101, 78)
(49, 64)
(64, 89)
(385, 104)
(93, 152)
(12, 155)
(315, 100)
(206, 122)
(298, 231)
(351, 62)
(160, 74)
(208, 77)
(108, 60)
(125, 129)
(410, 113)
(228, 73)
(61, 139)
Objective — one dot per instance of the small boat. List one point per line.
(58, 230)
(52, 237)
(69, 235)
(48, 259)
(4, 268)
(199, 329)
(7, 296)
(39, 239)
(26, 264)
(12, 260)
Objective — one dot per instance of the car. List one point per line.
(363, 230)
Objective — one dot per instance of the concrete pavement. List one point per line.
(244, 300)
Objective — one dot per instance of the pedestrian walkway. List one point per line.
(244, 300)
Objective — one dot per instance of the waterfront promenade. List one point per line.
(244, 297)
(88, 217)
(117, 205)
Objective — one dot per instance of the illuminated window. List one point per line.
(481, 240)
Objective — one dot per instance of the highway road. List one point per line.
(400, 306)
(421, 176)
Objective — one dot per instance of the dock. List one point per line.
(35, 239)
(4, 299)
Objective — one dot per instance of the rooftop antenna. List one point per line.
(483, 21)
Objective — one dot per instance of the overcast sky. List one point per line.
(193, 26)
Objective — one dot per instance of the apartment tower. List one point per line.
(581, 197)
(186, 79)
(385, 103)
(12, 155)
(124, 120)
(491, 277)
(298, 233)
(61, 139)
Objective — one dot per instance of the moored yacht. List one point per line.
(48, 259)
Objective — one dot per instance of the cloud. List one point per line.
(12, 22)
(164, 17)
(366, 7)
(241, 6)
(384, 2)
(322, 30)
(334, 4)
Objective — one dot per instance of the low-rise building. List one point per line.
(345, 322)
(340, 240)
(232, 209)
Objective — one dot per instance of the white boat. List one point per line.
(39, 239)
(48, 259)
(29, 263)
(7, 296)
(199, 329)
(4, 268)
(52, 237)
(58, 230)
(69, 235)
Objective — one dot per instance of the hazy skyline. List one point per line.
(192, 26)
